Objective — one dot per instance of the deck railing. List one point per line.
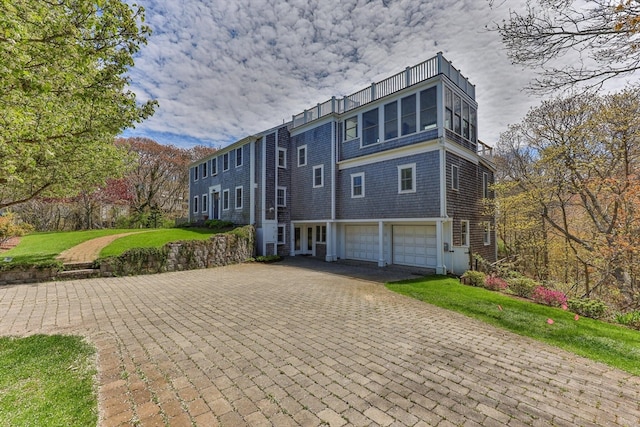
(410, 76)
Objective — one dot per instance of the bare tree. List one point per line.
(573, 41)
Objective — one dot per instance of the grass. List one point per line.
(154, 239)
(37, 247)
(600, 341)
(47, 381)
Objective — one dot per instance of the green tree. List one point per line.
(63, 94)
(573, 41)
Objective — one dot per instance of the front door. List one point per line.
(216, 205)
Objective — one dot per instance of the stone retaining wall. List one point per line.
(27, 275)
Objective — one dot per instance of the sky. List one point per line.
(225, 69)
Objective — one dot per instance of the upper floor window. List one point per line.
(357, 185)
(351, 128)
(282, 157)
(448, 108)
(473, 124)
(281, 199)
(486, 232)
(464, 232)
(370, 127)
(195, 173)
(195, 204)
(238, 197)
(302, 155)
(204, 169)
(457, 114)
(465, 120)
(239, 157)
(407, 178)
(455, 180)
(225, 162)
(214, 166)
(428, 109)
(225, 200)
(408, 107)
(281, 234)
(318, 176)
(391, 120)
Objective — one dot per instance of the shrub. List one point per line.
(630, 319)
(218, 224)
(522, 286)
(473, 278)
(10, 227)
(267, 259)
(495, 283)
(546, 296)
(587, 307)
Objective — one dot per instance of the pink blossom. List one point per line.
(564, 307)
(550, 321)
(576, 317)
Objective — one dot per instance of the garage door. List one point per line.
(414, 245)
(361, 242)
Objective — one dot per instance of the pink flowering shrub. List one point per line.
(542, 295)
(495, 283)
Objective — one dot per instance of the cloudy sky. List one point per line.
(224, 69)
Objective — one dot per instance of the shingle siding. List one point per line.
(381, 190)
(351, 149)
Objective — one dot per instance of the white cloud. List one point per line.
(222, 70)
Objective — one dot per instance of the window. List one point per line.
(485, 185)
(281, 234)
(214, 166)
(318, 176)
(351, 128)
(195, 173)
(448, 108)
(370, 127)
(465, 120)
(455, 180)
(408, 114)
(486, 232)
(321, 234)
(473, 124)
(238, 197)
(225, 200)
(225, 162)
(302, 155)
(391, 120)
(407, 178)
(282, 157)
(357, 185)
(457, 113)
(204, 169)
(428, 109)
(205, 204)
(238, 157)
(281, 199)
(195, 204)
(464, 232)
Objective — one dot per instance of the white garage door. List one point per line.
(361, 242)
(414, 245)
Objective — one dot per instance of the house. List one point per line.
(392, 174)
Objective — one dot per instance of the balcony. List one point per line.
(409, 77)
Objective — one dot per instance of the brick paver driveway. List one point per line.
(283, 344)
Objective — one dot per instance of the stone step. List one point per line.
(78, 274)
(71, 266)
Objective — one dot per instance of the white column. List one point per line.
(381, 262)
(330, 243)
(440, 267)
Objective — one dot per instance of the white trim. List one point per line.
(396, 153)
(486, 232)
(344, 127)
(196, 172)
(321, 167)
(252, 184)
(302, 147)
(194, 208)
(205, 168)
(235, 160)
(411, 166)
(284, 234)
(379, 139)
(281, 150)
(442, 169)
(204, 204)
(226, 191)
(353, 176)
(464, 242)
(334, 159)
(225, 156)
(214, 161)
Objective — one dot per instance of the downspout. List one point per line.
(331, 231)
(263, 213)
(275, 213)
(252, 183)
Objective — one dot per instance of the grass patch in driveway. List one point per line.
(155, 239)
(47, 381)
(600, 341)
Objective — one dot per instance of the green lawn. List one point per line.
(600, 341)
(155, 239)
(47, 381)
(37, 247)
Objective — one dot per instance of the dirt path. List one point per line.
(88, 251)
